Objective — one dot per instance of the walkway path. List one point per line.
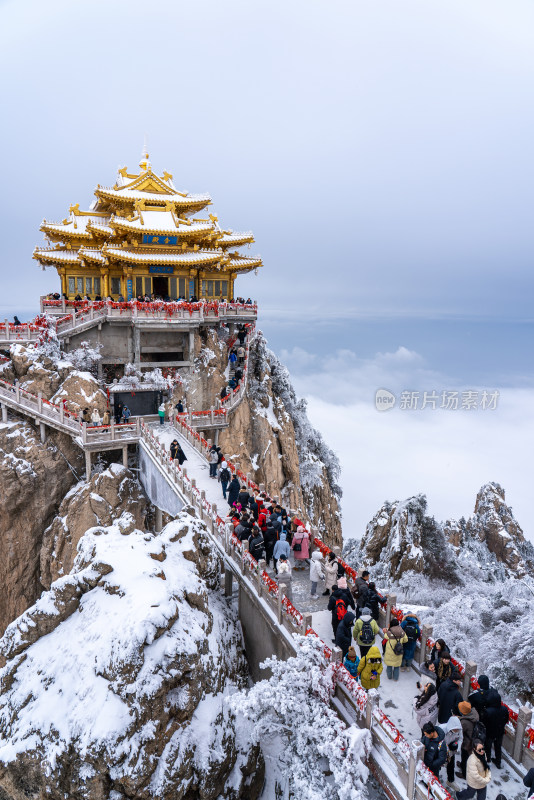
(396, 700)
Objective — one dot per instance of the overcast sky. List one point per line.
(380, 151)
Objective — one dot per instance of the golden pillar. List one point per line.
(63, 277)
(104, 277)
(201, 276)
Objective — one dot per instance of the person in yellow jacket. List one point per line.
(478, 774)
(395, 638)
(370, 669)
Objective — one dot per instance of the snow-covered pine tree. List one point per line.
(319, 757)
(85, 356)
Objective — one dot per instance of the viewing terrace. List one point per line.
(72, 317)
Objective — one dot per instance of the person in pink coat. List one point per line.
(301, 537)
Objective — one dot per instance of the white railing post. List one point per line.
(84, 432)
(524, 718)
(372, 702)
(426, 633)
(392, 599)
(261, 568)
(281, 592)
(417, 750)
(6, 322)
(40, 402)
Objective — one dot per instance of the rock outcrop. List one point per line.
(35, 371)
(402, 538)
(272, 440)
(109, 495)
(126, 697)
(493, 523)
(81, 390)
(201, 385)
(34, 478)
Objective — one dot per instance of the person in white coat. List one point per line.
(285, 577)
(330, 569)
(454, 737)
(95, 417)
(316, 572)
(478, 774)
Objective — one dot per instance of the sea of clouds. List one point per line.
(446, 454)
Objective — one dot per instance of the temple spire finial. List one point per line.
(145, 163)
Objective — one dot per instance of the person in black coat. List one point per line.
(495, 721)
(449, 695)
(528, 780)
(243, 497)
(372, 600)
(180, 455)
(233, 491)
(118, 412)
(338, 593)
(344, 632)
(269, 537)
(483, 697)
(256, 543)
(435, 754)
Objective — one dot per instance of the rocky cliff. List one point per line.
(493, 524)
(402, 538)
(270, 436)
(109, 495)
(35, 477)
(116, 678)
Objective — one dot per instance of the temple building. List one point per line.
(142, 237)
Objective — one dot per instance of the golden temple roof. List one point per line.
(144, 219)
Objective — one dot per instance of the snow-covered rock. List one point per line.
(116, 678)
(81, 390)
(493, 523)
(108, 496)
(36, 371)
(401, 538)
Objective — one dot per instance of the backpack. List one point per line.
(397, 648)
(225, 475)
(479, 731)
(411, 630)
(341, 608)
(367, 635)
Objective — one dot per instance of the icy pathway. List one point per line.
(395, 696)
(196, 466)
(396, 701)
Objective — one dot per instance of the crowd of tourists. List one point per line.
(456, 733)
(236, 361)
(149, 298)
